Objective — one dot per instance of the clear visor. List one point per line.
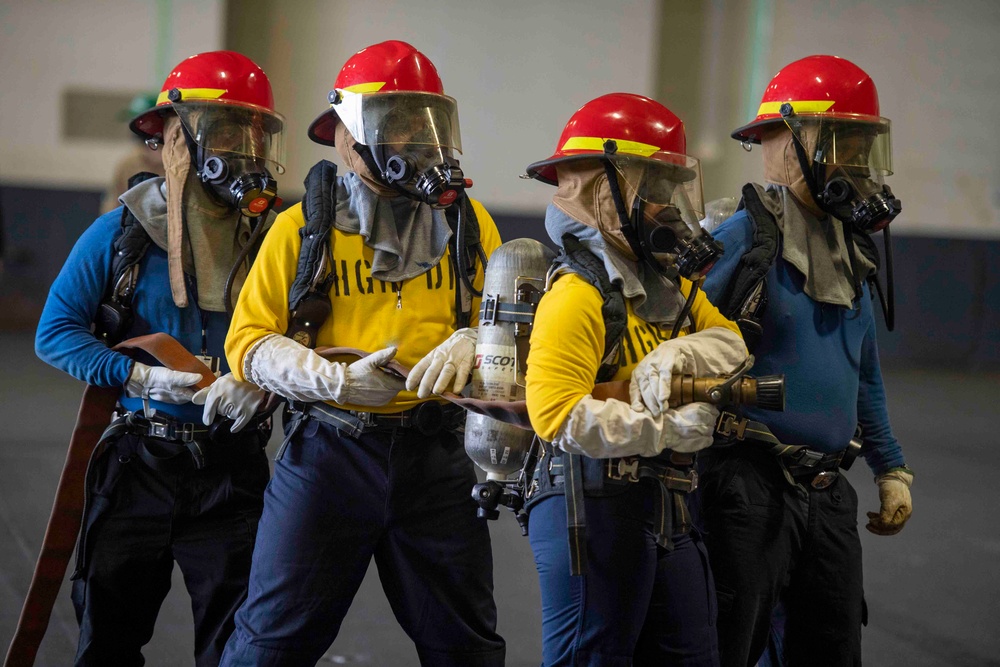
(661, 180)
(862, 144)
(404, 120)
(229, 129)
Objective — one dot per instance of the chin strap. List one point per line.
(629, 231)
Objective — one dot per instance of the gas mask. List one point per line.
(662, 227)
(230, 147)
(667, 240)
(849, 161)
(425, 173)
(408, 140)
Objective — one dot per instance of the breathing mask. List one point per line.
(409, 139)
(662, 226)
(850, 158)
(231, 148)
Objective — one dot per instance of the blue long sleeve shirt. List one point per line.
(64, 338)
(828, 354)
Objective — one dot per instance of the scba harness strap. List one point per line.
(745, 298)
(114, 314)
(577, 476)
(309, 302)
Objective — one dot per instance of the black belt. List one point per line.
(428, 418)
(181, 445)
(797, 461)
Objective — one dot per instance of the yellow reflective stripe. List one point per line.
(193, 94)
(800, 106)
(372, 87)
(597, 144)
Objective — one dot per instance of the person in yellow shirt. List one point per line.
(623, 575)
(381, 259)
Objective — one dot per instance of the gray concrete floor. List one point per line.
(933, 590)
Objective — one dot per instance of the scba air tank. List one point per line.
(515, 280)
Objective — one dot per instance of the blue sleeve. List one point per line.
(64, 337)
(880, 449)
(734, 235)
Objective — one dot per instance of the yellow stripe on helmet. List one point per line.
(372, 87)
(192, 94)
(800, 106)
(597, 144)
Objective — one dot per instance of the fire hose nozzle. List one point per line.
(766, 392)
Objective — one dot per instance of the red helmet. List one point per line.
(219, 86)
(223, 77)
(639, 126)
(824, 86)
(359, 99)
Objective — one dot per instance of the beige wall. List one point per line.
(518, 68)
(49, 45)
(936, 68)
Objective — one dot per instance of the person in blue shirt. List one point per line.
(184, 480)
(780, 518)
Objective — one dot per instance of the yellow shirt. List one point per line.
(365, 313)
(567, 345)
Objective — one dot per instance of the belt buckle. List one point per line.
(808, 458)
(626, 468)
(158, 429)
(367, 418)
(730, 424)
(824, 479)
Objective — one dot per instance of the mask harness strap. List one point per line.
(630, 231)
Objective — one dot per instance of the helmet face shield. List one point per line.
(850, 159)
(404, 120)
(862, 144)
(663, 180)
(235, 131)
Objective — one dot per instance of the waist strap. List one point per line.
(427, 418)
(673, 483)
(798, 459)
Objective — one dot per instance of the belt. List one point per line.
(182, 444)
(796, 461)
(635, 468)
(428, 418)
(671, 513)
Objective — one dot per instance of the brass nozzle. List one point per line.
(765, 392)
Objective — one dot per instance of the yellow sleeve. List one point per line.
(567, 343)
(705, 314)
(262, 307)
(489, 236)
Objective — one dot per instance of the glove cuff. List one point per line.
(899, 474)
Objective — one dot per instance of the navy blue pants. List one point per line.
(770, 540)
(334, 503)
(139, 523)
(637, 603)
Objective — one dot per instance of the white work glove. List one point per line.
(606, 429)
(280, 365)
(896, 505)
(451, 360)
(706, 353)
(161, 384)
(230, 398)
